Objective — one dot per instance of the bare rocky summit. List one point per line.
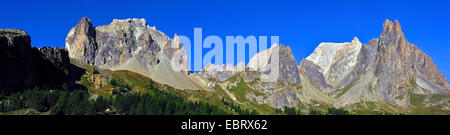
(387, 69)
(283, 58)
(400, 64)
(282, 88)
(131, 44)
(81, 42)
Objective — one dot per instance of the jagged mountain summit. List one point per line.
(399, 63)
(284, 88)
(387, 69)
(335, 61)
(131, 44)
(287, 65)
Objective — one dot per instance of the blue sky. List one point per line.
(300, 24)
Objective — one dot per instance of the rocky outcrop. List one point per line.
(282, 86)
(261, 62)
(288, 66)
(25, 67)
(285, 60)
(399, 64)
(397, 57)
(386, 69)
(123, 40)
(16, 55)
(336, 60)
(81, 42)
(221, 72)
(56, 56)
(131, 44)
(313, 74)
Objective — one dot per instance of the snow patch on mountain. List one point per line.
(325, 53)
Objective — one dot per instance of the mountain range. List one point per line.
(386, 75)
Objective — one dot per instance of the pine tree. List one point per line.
(140, 109)
(58, 109)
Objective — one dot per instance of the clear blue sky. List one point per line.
(300, 24)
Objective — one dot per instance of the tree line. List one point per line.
(238, 109)
(296, 111)
(123, 101)
(80, 102)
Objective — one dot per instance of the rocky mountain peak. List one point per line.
(260, 61)
(326, 54)
(392, 30)
(288, 66)
(399, 62)
(85, 21)
(331, 64)
(130, 44)
(355, 40)
(85, 26)
(80, 42)
(288, 71)
(386, 68)
(175, 37)
(138, 21)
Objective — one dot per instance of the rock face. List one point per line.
(399, 63)
(261, 62)
(284, 90)
(313, 73)
(124, 39)
(58, 57)
(279, 90)
(131, 44)
(15, 53)
(287, 71)
(336, 60)
(81, 42)
(288, 66)
(25, 67)
(386, 69)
